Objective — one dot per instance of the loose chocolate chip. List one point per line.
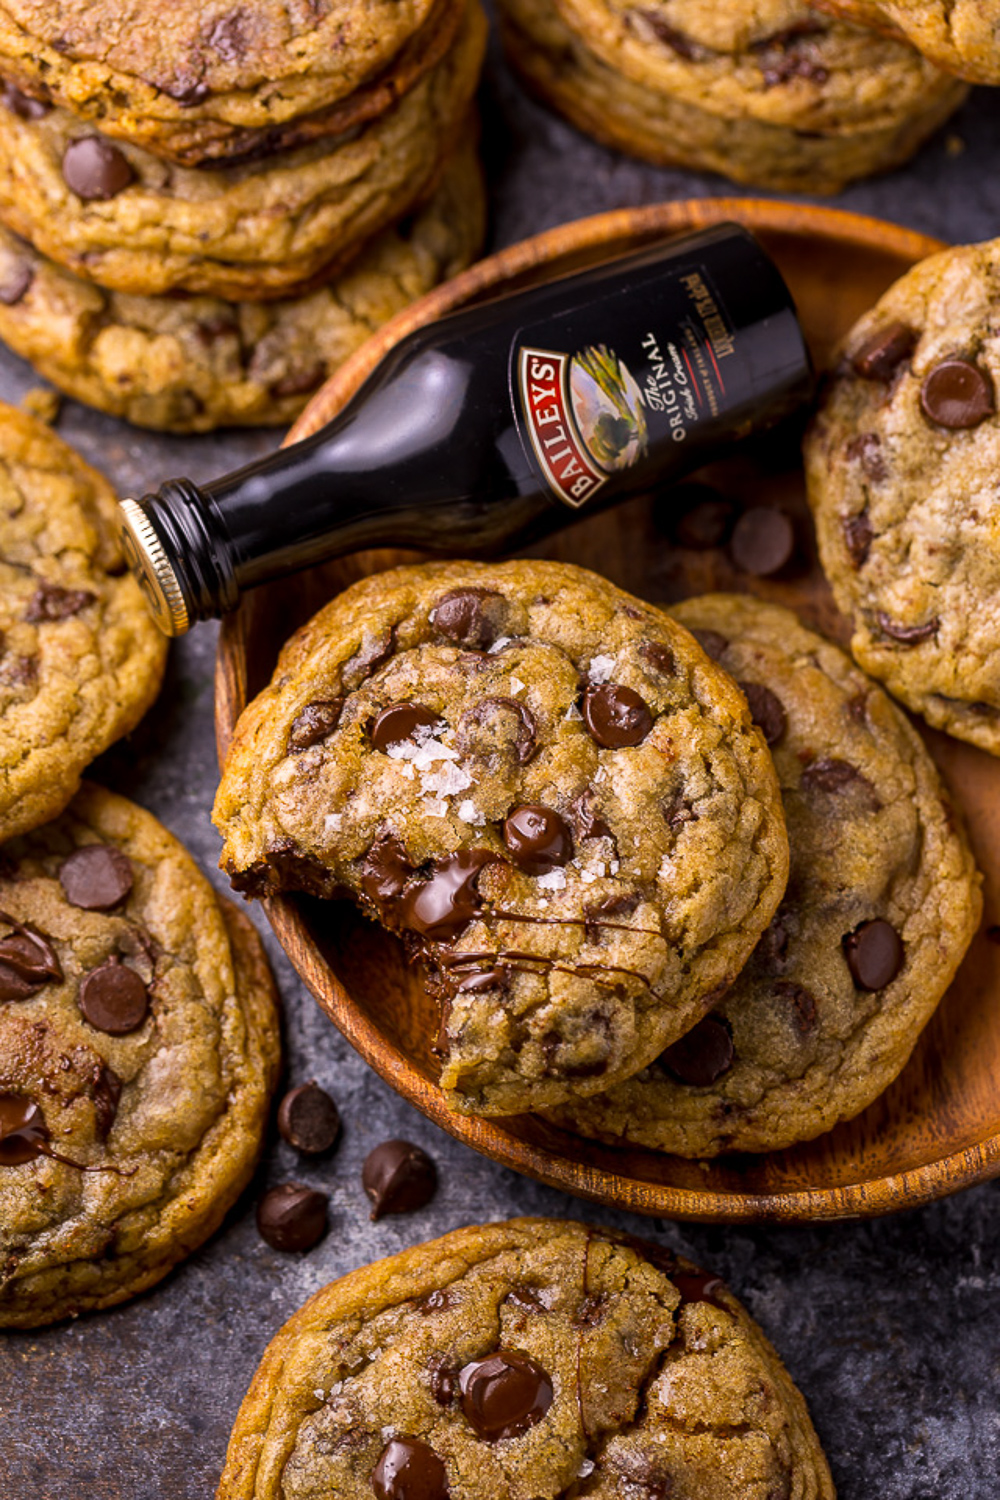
(711, 642)
(874, 953)
(703, 1055)
(51, 603)
(908, 635)
(15, 280)
(538, 839)
(504, 1394)
(957, 394)
(315, 722)
(443, 906)
(763, 541)
(27, 962)
(588, 824)
(706, 519)
(113, 998)
(827, 774)
(501, 712)
(96, 877)
(397, 723)
(659, 657)
(470, 617)
(22, 105)
(399, 1178)
(802, 1002)
(308, 1119)
(386, 870)
(95, 170)
(107, 1090)
(616, 716)
(698, 1286)
(884, 351)
(409, 1470)
(292, 1216)
(766, 710)
(858, 535)
(23, 1131)
(866, 449)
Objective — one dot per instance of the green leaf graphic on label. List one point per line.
(608, 406)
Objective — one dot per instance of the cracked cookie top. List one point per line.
(115, 214)
(544, 785)
(535, 1359)
(773, 61)
(882, 902)
(206, 81)
(901, 466)
(80, 657)
(138, 1048)
(960, 35)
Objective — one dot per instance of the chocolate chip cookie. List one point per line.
(115, 214)
(138, 1048)
(214, 81)
(544, 786)
(882, 903)
(80, 658)
(531, 1359)
(960, 35)
(768, 93)
(190, 365)
(901, 464)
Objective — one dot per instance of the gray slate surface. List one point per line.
(892, 1329)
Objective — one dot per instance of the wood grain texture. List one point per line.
(938, 1127)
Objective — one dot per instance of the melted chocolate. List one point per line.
(616, 716)
(957, 394)
(386, 870)
(470, 617)
(443, 906)
(24, 1134)
(703, 1055)
(766, 710)
(858, 534)
(525, 728)
(114, 998)
(908, 635)
(537, 839)
(95, 170)
(875, 954)
(882, 353)
(315, 722)
(504, 1394)
(27, 962)
(408, 1469)
(396, 724)
(96, 877)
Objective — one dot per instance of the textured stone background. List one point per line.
(892, 1329)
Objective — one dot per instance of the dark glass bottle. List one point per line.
(479, 433)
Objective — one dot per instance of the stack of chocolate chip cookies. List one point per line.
(688, 882)
(769, 92)
(200, 221)
(138, 1022)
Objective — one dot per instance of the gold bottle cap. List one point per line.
(151, 566)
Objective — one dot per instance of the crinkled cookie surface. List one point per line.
(536, 1359)
(882, 902)
(544, 785)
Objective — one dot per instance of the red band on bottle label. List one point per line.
(543, 378)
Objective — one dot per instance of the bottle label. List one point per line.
(590, 413)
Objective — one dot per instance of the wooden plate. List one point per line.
(938, 1127)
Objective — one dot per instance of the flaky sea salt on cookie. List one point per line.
(544, 786)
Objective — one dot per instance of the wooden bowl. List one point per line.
(938, 1127)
